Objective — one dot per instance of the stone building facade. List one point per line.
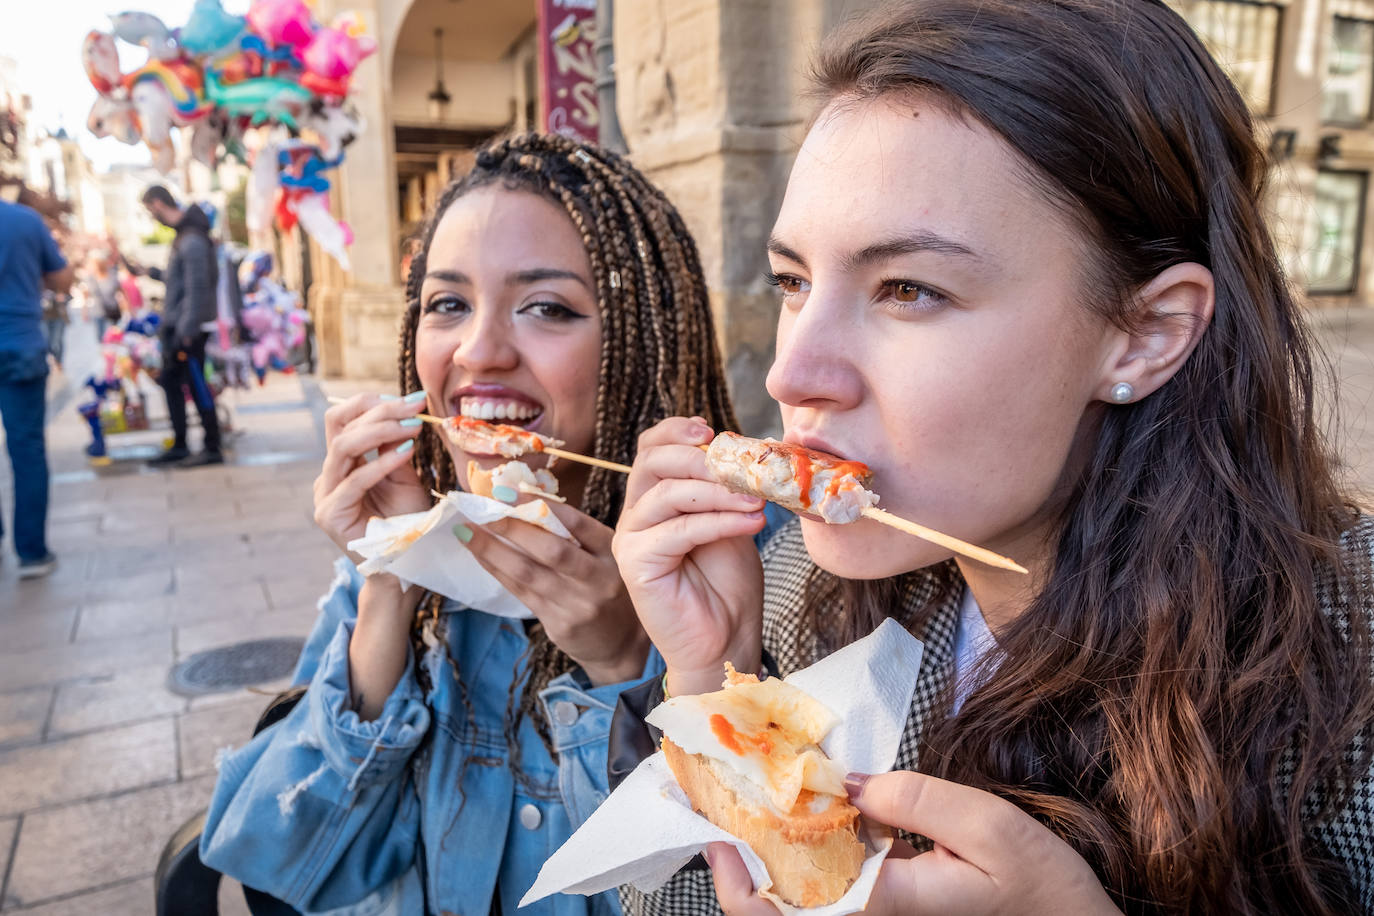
(711, 102)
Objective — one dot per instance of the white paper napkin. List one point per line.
(646, 830)
(421, 548)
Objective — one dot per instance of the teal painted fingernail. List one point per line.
(505, 494)
(412, 421)
(462, 533)
(415, 397)
(405, 446)
(389, 397)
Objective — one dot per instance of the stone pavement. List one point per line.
(99, 761)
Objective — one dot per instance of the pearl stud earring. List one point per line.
(1122, 393)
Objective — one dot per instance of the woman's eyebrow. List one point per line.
(886, 249)
(538, 274)
(906, 244)
(452, 276)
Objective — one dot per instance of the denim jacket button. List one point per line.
(564, 713)
(530, 817)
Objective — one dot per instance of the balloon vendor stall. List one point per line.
(276, 73)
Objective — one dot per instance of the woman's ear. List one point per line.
(1171, 312)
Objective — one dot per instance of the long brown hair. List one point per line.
(659, 356)
(1174, 701)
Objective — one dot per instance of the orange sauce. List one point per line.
(806, 462)
(725, 733)
(844, 470)
(731, 740)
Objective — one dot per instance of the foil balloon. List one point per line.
(111, 117)
(261, 191)
(266, 98)
(333, 126)
(312, 212)
(146, 30)
(206, 137)
(333, 54)
(101, 60)
(281, 22)
(210, 31)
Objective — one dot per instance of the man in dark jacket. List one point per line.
(191, 278)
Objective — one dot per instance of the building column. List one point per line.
(713, 112)
(357, 314)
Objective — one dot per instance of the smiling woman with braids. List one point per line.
(440, 754)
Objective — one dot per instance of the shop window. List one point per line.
(1334, 260)
(1244, 36)
(1349, 88)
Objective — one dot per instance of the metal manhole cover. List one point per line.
(231, 667)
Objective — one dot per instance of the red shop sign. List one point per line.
(567, 65)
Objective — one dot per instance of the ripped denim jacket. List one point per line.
(421, 810)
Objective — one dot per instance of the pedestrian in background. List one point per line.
(55, 319)
(191, 278)
(103, 293)
(29, 261)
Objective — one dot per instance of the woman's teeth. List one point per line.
(497, 410)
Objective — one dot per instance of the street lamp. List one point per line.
(438, 97)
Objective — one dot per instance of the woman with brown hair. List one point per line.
(440, 753)
(1026, 277)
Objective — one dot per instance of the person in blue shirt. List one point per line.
(441, 754)
(29, 262)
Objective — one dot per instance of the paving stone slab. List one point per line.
(202, 734)
(51, 627)
(119, 617)
(128, 898)
(113, 562)
(199, 637)
(297, 591)
(261, 694)
(86, 766)
(9, 830)
(231, 902)
(100, 841)
(133, 584)
(94, 658)
(131, 695)
(203, 597)
(22, 715)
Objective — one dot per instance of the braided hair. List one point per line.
(659, 356)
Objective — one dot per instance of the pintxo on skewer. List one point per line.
(830, 488)
(484, 438)
(481, 437)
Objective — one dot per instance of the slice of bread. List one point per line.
(813, 852)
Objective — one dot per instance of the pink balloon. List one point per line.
(282, 22)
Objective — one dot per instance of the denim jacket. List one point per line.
(420, 810)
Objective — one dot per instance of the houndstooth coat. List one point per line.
(787, 568)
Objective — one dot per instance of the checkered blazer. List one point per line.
(930, 610)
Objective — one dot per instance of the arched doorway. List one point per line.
(462, 71)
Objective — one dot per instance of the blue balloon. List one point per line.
(209, 29)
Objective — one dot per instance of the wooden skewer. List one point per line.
(587, 459)
(972, 551)
(550, 450)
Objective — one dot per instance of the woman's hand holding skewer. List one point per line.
(350, 489)
(684, 546)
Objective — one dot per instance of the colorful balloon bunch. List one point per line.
(221, 75)
(272, 317)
